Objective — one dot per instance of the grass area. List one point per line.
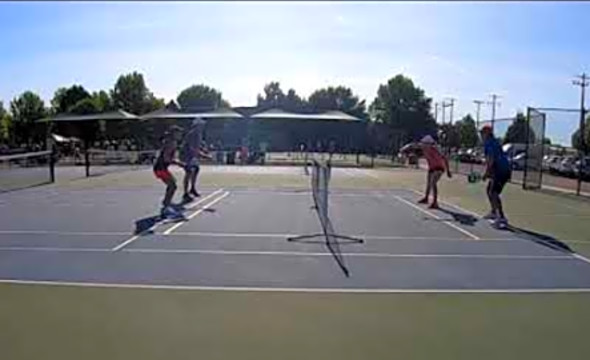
(84, 323)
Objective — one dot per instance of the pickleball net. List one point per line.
(101, 162)
(26, 170)
(320, 179)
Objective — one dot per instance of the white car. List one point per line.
(566, 166)
(518, 162)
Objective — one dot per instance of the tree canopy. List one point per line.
(201, 97)
(131, 94)
(338, 98)
(26, 109)
(274, 97)
(403, 106)
(577, 141)
(5, 124)
(65, 98)
(467, 132)
(517, 131)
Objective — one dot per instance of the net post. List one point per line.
(52, 161)
(87, 158)
(527, 148)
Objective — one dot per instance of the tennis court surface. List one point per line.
(236, 238)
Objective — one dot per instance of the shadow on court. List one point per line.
(541, 239)
(463, 219)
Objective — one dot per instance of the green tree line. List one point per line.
(399, 103)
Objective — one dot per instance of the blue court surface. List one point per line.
(237, 239)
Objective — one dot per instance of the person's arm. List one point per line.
(170, 157)
(489, 166)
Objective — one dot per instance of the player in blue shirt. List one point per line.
(498, 171)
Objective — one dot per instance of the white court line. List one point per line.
(205, 207)
(451, 205)
(153, 227)
(437, 217)
(289, 253)
(295, 290)
(61, 233)
(54, 249)
(202, 200)
(363, 236)
(350, 254)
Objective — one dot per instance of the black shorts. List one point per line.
(498, 180)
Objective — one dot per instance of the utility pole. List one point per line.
(451, 105)
(494, 103)
(446, 105)
(582, 82)
(443, 107)
(478, 103)
(435, 112)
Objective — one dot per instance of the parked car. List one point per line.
(566, 166)
(549, 161)
(583, 166)
(554, 165)
(518, 162)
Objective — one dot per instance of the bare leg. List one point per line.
(491, 198)
(186, 180)
(170, 190)
(424, 200)
(434, 178)
(498, 205)
(194, 174)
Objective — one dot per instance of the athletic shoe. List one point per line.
(187, 198)
(501, 224)
(434, 206)
(423, 201)
(194, 193)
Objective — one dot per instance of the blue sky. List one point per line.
(526, 52)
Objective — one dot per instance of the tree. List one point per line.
(201, 97)
(517, 131)
(467, 132)
(546, 141)
(338, 98)
(85, 107)
(26, 109)
(450, 136)
(293, 102)
(5, 125)
(103, 101)
(577, 142)
(65, 98)
(131, 94)
(273, 96)
(404, 107)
